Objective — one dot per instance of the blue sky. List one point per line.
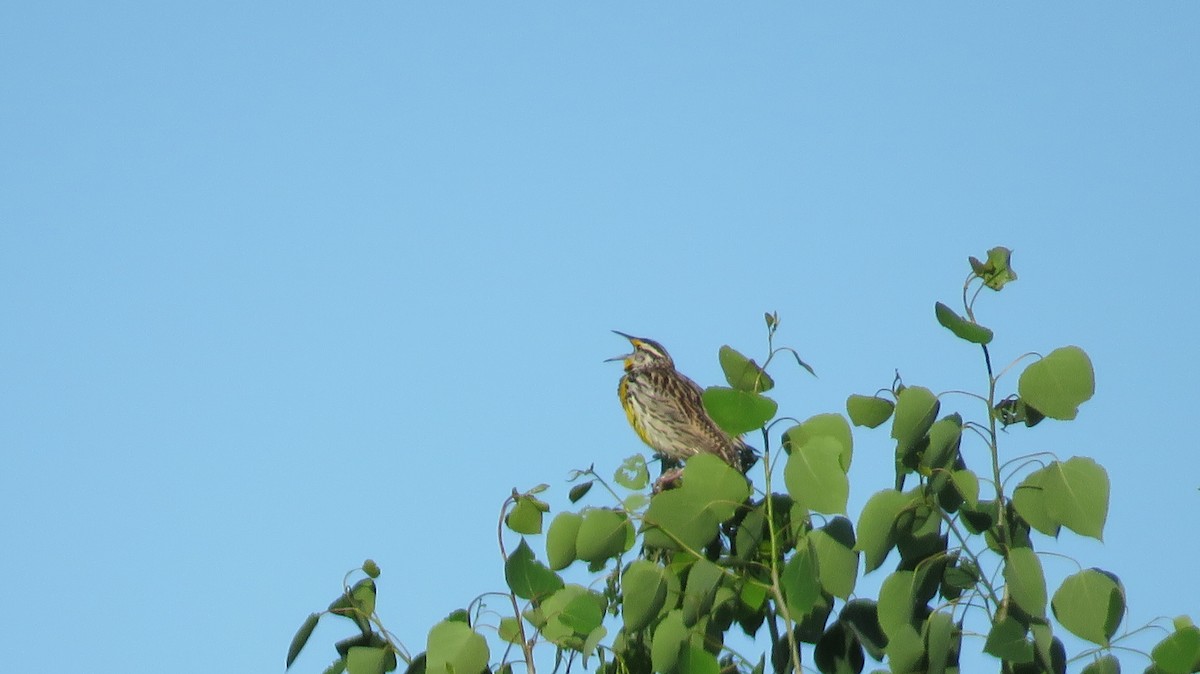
(288, 285)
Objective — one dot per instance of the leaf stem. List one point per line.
(526, 644)
(776, 592)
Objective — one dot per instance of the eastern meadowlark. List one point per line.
(666, 410)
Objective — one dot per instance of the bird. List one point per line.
(666, 410)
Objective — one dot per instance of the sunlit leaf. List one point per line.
(644, 588)
(837, 563)
(527, 577)
(454, 647)
(1031, 500)
(1179, 652)
(801, 582)
(743, 373)
(669, 639)
(961, 327)
(1090, 604)
(997, 271)
(869, 411)
(1077, 495)
(738, 412)
(967, 485)
(831, 425)
(560, 540)
(876, 526)
(815, 478)
(702, 581)
(1026, 582)
(633, 473)
(367, 660)
(679, 518)
(1007, 641)
(896, 602)
(695, 660)
(602, 534)
(916, 409)
(525, 517)
(721, 486)
(1107, 664)
(942, 642)
(1059, 383)
(509, 630)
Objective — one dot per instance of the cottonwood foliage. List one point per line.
(673, 574)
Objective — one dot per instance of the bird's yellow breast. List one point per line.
(631, 411)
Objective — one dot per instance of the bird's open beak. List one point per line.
(622, 356)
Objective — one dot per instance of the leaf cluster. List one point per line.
(675, 573)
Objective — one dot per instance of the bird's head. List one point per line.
(647, 353)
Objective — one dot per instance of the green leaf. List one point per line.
(961, 327)
(583, 613)
(696, 660)
(1031, 500)
(877, 526)
(570, 615)
(997, 271)
(1047, 649)
(633, 473)
(560, 540)
(896, 602)
(711, 493)
(635, 501)
(526, 517)
(942, 642)
(454, 648)
(370, 568)
(801, 582)
(1026, 582)
(869, 411)
(1179, 653)
(837, 563)
(1107, 664)
(580, 490)
(367, 660)
(724, 488)
(967, 485)
(589, 645)
(1059, 383)
(743, 373)
(815, 478)
(1090, 604)
(905, 650)
(602, 534)
(963, 575)
(1007, 641)
(1077, 495)
(509, 630)
(828, 425)
(916, 408)
(678, 518)
(703, 579)
(527, 577)
(738, 412)
(644, 591)
(338, 666)
(941, 453)
(669, 639)
(301, 637)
